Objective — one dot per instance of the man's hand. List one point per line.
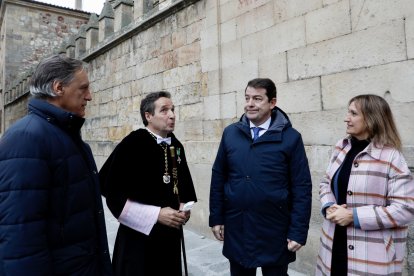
(340, 215)
(171, 217)
(218, 231)
(293, 246)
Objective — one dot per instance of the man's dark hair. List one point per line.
(147, 104)
(264, 83)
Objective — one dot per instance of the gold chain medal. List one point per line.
(166, 177)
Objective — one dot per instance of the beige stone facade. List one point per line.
(320, 53)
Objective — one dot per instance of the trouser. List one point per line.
(238, 270)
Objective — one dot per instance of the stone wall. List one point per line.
(320, 53)
(30, 31)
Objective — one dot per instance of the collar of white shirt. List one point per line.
(159, 138)
(264, 127)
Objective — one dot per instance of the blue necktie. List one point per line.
(256, 132)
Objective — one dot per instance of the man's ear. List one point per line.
(58, 88)
(273, 102)
(147, 116)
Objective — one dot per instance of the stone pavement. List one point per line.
(204, 256)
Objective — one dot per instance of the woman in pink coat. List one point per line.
(367, 196)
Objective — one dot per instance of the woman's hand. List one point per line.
(340, 215)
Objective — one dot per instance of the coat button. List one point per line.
(351, 247)
(356, 164)
(247, 177)
(349, 192)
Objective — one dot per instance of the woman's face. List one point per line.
(355, 123)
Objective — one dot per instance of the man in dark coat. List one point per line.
(260, 195)
(146, 181)
(51, 214)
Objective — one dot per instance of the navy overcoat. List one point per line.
(51, 216)
(261, 192)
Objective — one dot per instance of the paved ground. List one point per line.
(204, 256)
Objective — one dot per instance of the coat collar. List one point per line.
(372, 150)
(279, 122)
(56, 115)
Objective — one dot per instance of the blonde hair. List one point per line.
(378, 119)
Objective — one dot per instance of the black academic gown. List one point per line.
(135, 171)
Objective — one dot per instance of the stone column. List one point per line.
(106, 21)
(92, 31)
(138, 9)
(80, 42)
(70, 47)
(123, 13)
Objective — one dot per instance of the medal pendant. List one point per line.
(166, 178)
(179, 160)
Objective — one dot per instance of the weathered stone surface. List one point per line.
(395, 78)
(374, 46)
(300, 96)
(328, 22)
(369, 13)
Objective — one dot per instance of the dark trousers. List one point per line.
(238, 270)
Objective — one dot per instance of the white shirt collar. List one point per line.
(264, 126)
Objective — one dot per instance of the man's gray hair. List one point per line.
(55, 68)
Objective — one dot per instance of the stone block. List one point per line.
(287, 9)
(255, 20)
(320, 128)
(228, 31)
(395, 78)
(188, 54)
(212, 130)
(329, 2)
(151, 83)
(210, 59)
(258, 44)
(186, 94)
(211, 107)
(213, 82)
(300, 96)
(192, 112)
(228, 105)
(200, 152)
(178, 38)
(273, 67)
(193, 32)
(181, 75)
(369, 47)
(409, 36)
(228, 11)
(189, 130)
(209, 37)
(118, 133)
(404, 120)
(231, 53)
(235, 77)
(369, 13)
(328, 22)
(211, 15)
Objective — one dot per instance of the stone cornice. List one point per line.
(135, 28)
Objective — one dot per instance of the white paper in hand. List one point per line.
(187, 206)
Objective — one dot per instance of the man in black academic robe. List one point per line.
(143, 194)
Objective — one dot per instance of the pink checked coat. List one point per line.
(381, 189)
